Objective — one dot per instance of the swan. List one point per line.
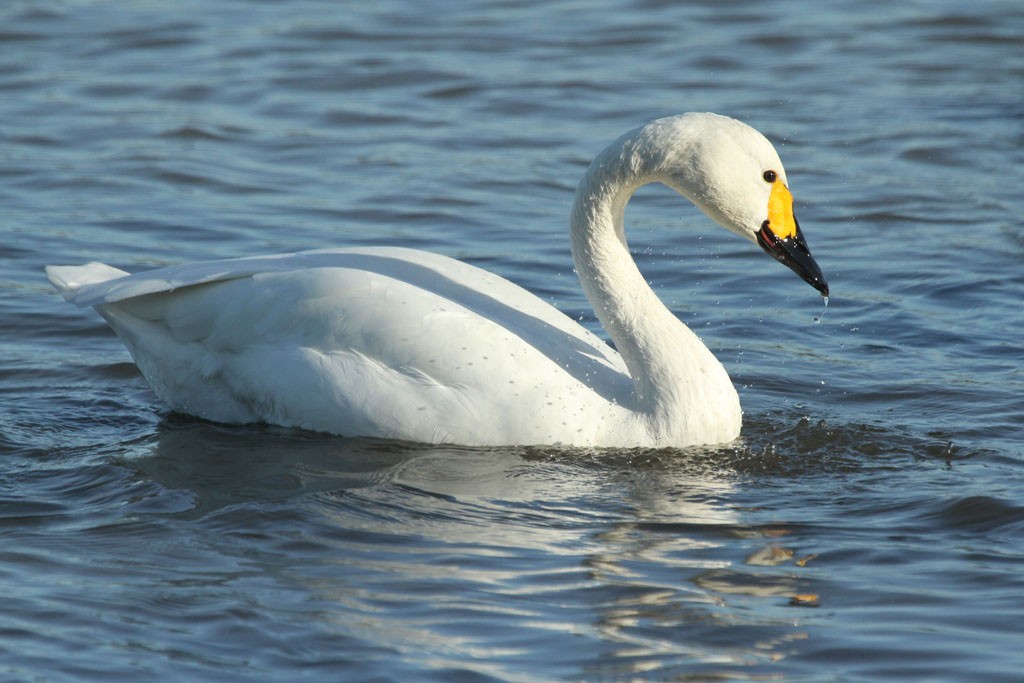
(404, 344)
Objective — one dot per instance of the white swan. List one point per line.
(405, 344)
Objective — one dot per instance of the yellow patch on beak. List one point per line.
(780, 212)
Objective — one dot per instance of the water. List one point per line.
(868, 526)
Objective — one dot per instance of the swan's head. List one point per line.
(734, 175)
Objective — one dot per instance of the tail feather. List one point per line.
(69, 278)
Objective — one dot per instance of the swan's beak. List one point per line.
(781, 237)
(794, 253)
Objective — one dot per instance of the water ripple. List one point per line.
(868, 524)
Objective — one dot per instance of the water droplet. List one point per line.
(818, 319)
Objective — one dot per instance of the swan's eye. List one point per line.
(770, 176)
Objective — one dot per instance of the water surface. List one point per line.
(868, 525)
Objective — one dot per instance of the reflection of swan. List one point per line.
(405, 344)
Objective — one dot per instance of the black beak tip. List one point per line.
(794, 254)
(803, 264)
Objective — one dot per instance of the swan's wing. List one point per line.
(359, 341)
(96, 283)
(477, 289)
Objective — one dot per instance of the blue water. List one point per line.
(869, 524)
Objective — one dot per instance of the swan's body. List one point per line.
(405, 344)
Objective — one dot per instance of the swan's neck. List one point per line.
(679, 385)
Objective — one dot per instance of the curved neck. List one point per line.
(676, 378)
